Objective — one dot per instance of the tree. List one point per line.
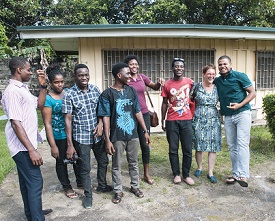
(15, 13)
(159, 12)
(3, 41)
(231, 12)
(72, 12)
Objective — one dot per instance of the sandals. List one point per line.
(117, 197)
(231, 180)
(137, 192)
(70, 193)
(242, 181)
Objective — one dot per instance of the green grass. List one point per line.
(6, 162)
(261, 150)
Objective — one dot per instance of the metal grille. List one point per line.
(157, 63)
(265, 69)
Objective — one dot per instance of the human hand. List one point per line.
(161, 81)
(147, 138)
(233, 106)
(36, 158)
(70, 152)
(42, 77)
(109, 148)
(98, 131)
(55, 152)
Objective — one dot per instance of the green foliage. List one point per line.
(3, 40)
(230, 12)
(159, 12)
(269, 111)
(6, 162)
(15, 13)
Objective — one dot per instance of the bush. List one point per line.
(269, 111)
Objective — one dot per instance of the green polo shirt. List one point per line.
(231, 89)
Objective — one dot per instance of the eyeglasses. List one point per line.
(178, 59)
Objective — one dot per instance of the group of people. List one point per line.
(82, 118)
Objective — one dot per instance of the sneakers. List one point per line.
(177, 179)
(46, 211)
(212, 179)
(88, 201)
(105, 190)
(197, 173)
(189, 181)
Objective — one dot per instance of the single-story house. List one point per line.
(252, 50)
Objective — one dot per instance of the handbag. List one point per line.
(154, 120)
(193, 91)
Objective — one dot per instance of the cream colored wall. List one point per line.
(242, 53)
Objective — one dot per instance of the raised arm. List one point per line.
(42, 79)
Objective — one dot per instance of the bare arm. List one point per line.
(68, 129)
(106, 129)
(164, 107)
(47, 118)
(99, 128)
(156, 86)
(41, 76)
(23, 137)
(143, 126)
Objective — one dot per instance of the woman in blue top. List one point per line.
(55, 128)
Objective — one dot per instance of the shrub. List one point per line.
(269, 111)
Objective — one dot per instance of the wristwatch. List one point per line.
(146, 131)
(44, 87)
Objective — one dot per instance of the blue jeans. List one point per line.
(145, 149)
(31, 185)
(237, 129)
(180, 130)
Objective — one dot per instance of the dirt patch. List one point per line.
(164, 201)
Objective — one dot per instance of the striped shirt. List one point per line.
(82, 105)
(20, 104)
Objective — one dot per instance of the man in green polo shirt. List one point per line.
(235, 91)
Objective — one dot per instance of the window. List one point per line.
(156, 63)
(265, 64)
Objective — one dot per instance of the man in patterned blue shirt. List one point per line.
(84, 131)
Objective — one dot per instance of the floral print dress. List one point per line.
(207, 136)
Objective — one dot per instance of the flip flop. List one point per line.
(231, 180)
(242, 181)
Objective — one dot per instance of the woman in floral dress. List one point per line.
(206, 122)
